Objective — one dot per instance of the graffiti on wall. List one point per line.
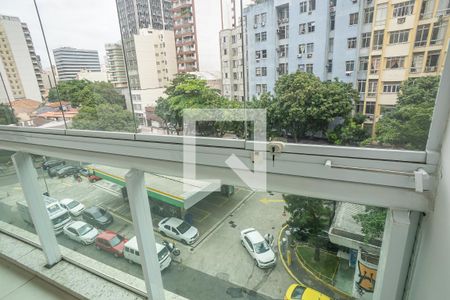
(367, 278)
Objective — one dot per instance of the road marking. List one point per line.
(268, 200)
(205, 213)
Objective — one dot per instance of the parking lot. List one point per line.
(217, 265)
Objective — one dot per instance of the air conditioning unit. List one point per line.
(401, 20)
(309, 55)
(299, 55)
(348, 73)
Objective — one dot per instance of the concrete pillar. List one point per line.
(143, 227)
(28, 179)
(398, 241)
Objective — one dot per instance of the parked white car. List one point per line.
(74, 207)
(179, 230)
(258, 248)
(81, 232)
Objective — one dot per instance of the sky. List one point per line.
(85, 24)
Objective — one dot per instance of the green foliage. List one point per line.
(83, 92)
(104, 117)
(188, 92)
(303, 105)
(6, 115)
(310, 215)
(407, 124)
(372, 222)
(350, 132)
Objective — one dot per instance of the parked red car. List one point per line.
(111, 242)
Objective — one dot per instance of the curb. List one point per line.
(282, 258)
(331, 287)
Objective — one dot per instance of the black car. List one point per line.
(52, 163)
(67, 171)
(97, 216)
(52, 172)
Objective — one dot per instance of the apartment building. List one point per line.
(232, 63)
(115, 65)
(20, 67)
(409, 39)
(70, 61)
(156, 60)
(374, 45)
(135, 15)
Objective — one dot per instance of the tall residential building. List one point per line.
(135, 15)
(409, 39)
(374, 45)
(197, 25)
(20, 67)
(156, 61)
(232, 63)
(70, 61)
(115, 65)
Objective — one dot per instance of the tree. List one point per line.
(104, 117)
(83, 92)
(350, 132)
(372, 222)
(186, 91)
(6, 115)
(304, 106)
(407, 124)
(308, 215)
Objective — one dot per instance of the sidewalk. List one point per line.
(301, 275)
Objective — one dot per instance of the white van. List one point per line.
(131, 253)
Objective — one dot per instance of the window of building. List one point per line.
(349, 65)
(263, 53)
(137, 106)
(368, 15)
(403, 9)
(432, 61)
(225, 51)
(233, 39)
(309, 50)
(283, 51)
(261, 88)
(417, 63)
(353, 19)
(399, 36)
(363, 63)
(301, 49)
(312, 5)
(391, 87)
(257, 37)
(234, 51)
(282, 68)
(330, 66)
(370, 108)
(332, 20)
(438, 34)
(365, 40)
(263, 71)
(351, 43)
(311, 26)
(235, 76)
(381, 13)
(378, 39)
(224, 39)
(375, 64)
(263, 18)
(396, 62)
(258, 71)
(283, 32)
(361, 85)
(359, 107)
(372, 88)
(263, 36)
(422, 35)
(301, 67)
(309, 68)
(330, 45)
(426, 10)
(303, 6)
(302, 28)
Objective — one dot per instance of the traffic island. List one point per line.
(300, 273)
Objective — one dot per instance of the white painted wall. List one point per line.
(431, 274)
